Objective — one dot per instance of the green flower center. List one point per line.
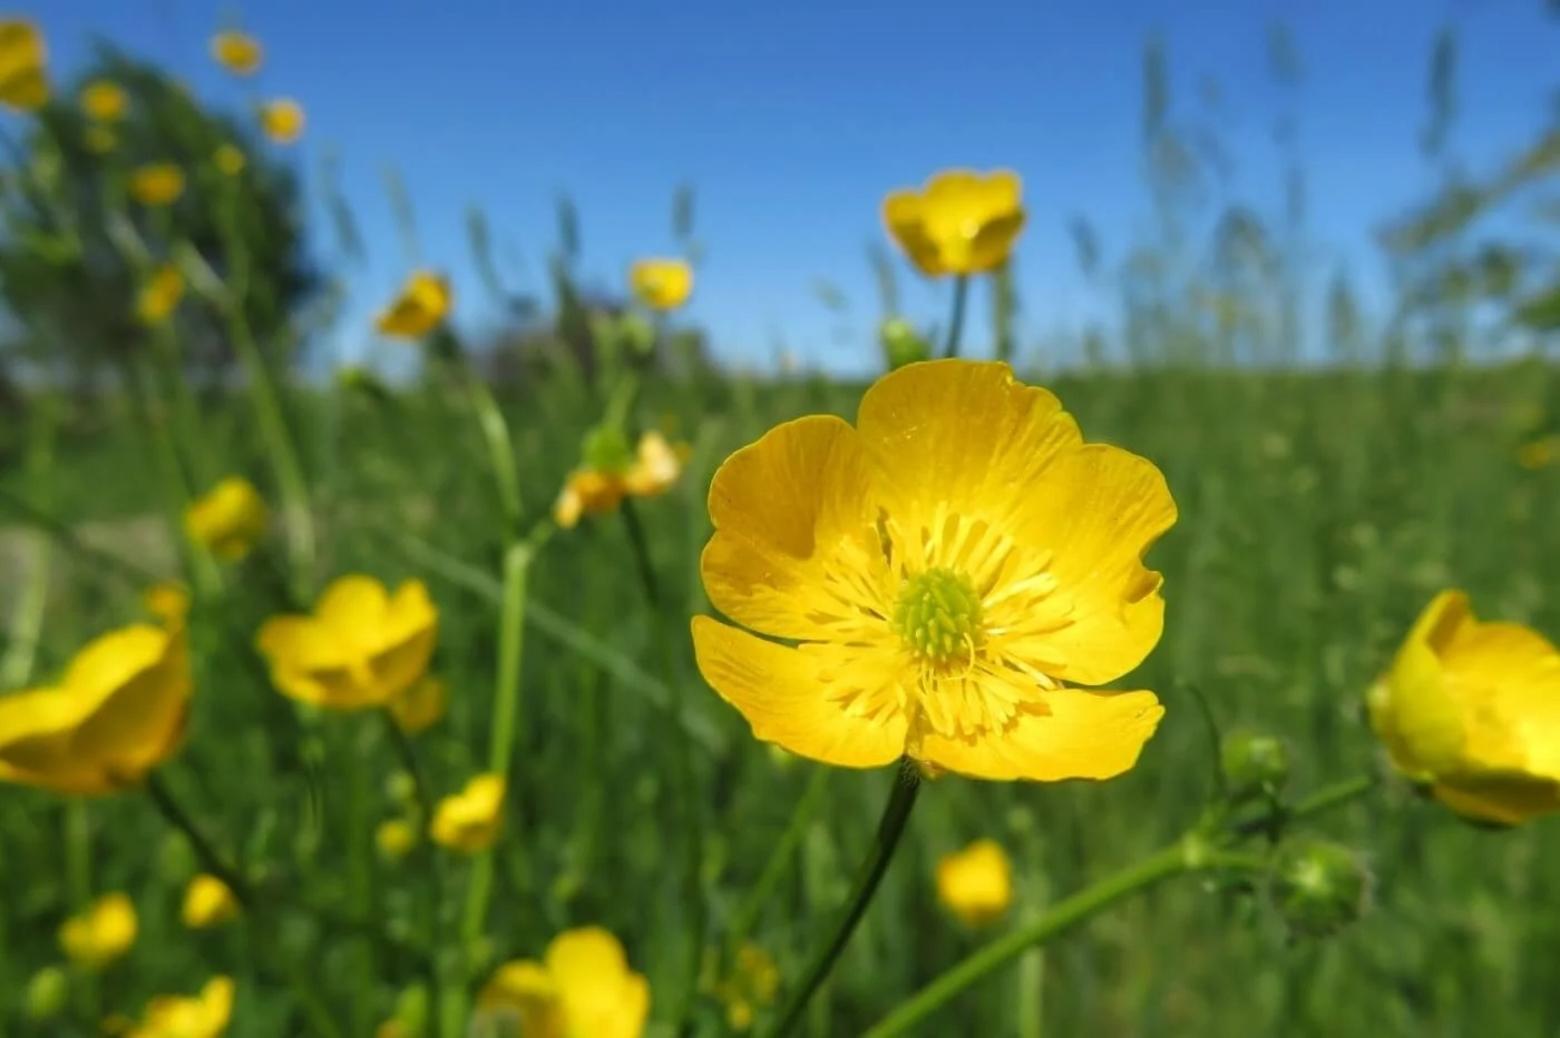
(939, 616)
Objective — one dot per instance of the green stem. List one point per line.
(1334, 795)
(961, 289)
(907, 783)
(26, 622)
(408, 755)
(210, 858)
(495, 435)
(779, 859)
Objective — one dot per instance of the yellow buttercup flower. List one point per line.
(104, 100)
(157, 184)
(1540, 453)
(228, 520)
(469, 821)
(24, 78)
(282, 120)
(101, 933)
(976, 884)
(361, 647)
(1472, 709)
(961, 222)
(238, 52)
(118, 712)
(661, 284)
(205, 1015)
(582, 986)
(395, 838)
(754, 981)
(208, 902)
(419, 309)
(168, 601)
(229, 160)
(598, 488)
(420, 705)
(952, 567)
(160, 295)
(99, 139)
(587, 492)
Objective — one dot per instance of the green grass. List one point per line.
(1319, 512)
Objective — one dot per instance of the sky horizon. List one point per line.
(791, 126)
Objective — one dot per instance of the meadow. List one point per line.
(1320, 507)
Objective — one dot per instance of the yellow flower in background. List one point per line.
(282, 120)
(661, 284)
(598, 488)
(118, 712)
(754, 981)
(587, 492)
(168, 601)
(395, 838)
(99, 139)
(24, 59)
(952, 567)
(160, 295)
(238, 52)
(976, 884)
(1472, 709)
(104, 100)
(420, 307)
(361, 647)
(208, 902)
(205, 1015)
(961, 222)
(229, 160)
(582, 986)
(228, 520)
(1540, 453)
(101, 933)
(657, 464)
(420, 705)
(157, 183)
(469, 821)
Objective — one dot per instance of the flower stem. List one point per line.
(907, 783)
(408, 755)
(210, 858)
(747, 915)
(961, 289)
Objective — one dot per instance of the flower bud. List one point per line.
(1254, 764)
(46, 993)
(902, 344)
(1319, 887)
(606, 449)
(401, 787)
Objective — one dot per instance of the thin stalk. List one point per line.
(211, 859)
(26, 622)
(779, 859)
(78, 880)
(907, 783)
(408, 754)
(961, 290)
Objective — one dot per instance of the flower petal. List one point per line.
(352, 602)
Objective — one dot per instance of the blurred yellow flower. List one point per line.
(420, 705)
(600, 488)
(101, 933)
(961, 222)
(24, 59)
(1540, 453)
(160, 295)
(1473, 710)
(754, 982)
(468, 821)
(282, 120)
(99, 139)
(205, 1015)
(228, 520)
(976, 884)
(238, 52)
(157, 184)
(361, 647)
(229, 160)
(118, 712)
(661, 284)
(419, 309)
(104, 100)
(168, 601)
(953, 566)
(583, 986)
(208, 902)
(395, 838)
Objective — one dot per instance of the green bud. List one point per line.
(46, 993)
(902, 344)
(411, 1008)
(1254, 764)
(1319, 887)
(175, 860)
(401, 787)
(636, 334)
(606, 449)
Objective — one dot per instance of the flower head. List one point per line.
(661, 284)
(361, 647)
(104, 100)
(168, 601)
(419, 706)
(228, 520)
(1473, 710)
(118, 712)
(952, 567)
(395, 838)
(101, 933)
(976, 884)
(157, 184)
(160, 295)
(24, 60)
(208, 902)
(238, 52)
(229, 160)
(961, 222)
(205, 1015)
(468, 821)
(753, 982)
(582, 986)
(611, 473)
(420, 307)
(282, 120)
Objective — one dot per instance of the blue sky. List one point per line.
(791, 121)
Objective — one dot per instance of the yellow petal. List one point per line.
(903, 216)
(352, 603)
(661, 284)
(600, 996)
